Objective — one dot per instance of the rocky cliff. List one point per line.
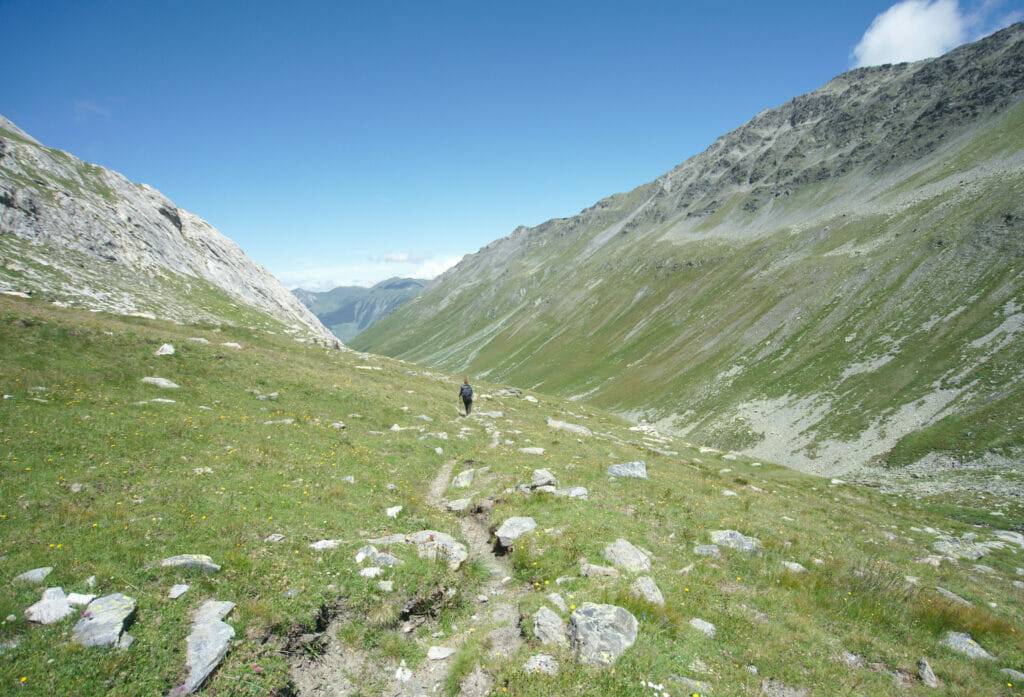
(348, 310)
(81, 234)
(839, 282)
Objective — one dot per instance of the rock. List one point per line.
(963, 643)
(541, 663)
(459, 505)
(635, 470)
(532, 451)
(960, 548)
(549, 628)
(705, 628)
(231, 344)
(774, 688)
(625, 556)
(543, 477)
(199, 340)
(371, 572)
(279, 422)
(80, 599)
(734, 540)
(274, 537)
(349, 479)
(574, 429)
(439, 451)
(558, 601)
(794, 567)
(165, 350)
(546, 489)
(707, 551)
(952, 597)
(338, 425)
(600, 634)
(386, 586)
(509, 392)
(34, 576)
(439, 653)
(593, 570)
(376, 557)
(927, 675)
(393, 511)
(207, 644)
(439, 546)
(1013, 674)
(512, 528)
(321, 545)
(491, 414)
(575, 492)
(104, 621)
(477, 684)
(645, 587)
(177, 590)
(53, 607)
(203, 561)
(403, 674)
(160, 382)
(463, 479)
(531, 398)
(729, 492)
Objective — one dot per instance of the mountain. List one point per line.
(348, 310)
(837, 283)
(79, 234)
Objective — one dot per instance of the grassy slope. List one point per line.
(73, 418)
(695, 318)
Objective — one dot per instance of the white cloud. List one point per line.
(912, 30)
(365, 273)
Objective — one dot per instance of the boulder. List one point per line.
(600, 634)
(627, 557)
(104, 621)
(53, 607)
(794, 567)
(393, 511)
(463, 479)
(543, 477)
(165, 350)
(549, 628)
(635, 470)
(960, 548)
(439, 546)
(593, 570)
(735, 540)
(207, 644)
(704, 627)
(163, 383)
(541, 663)
(203, 561)
(34, 576)
(459, 505)
(532, 451)
(439, 653)
(574, 492)
(645, 587)
(963, 643)
(321, 545)
(927, 675)
(511, 529)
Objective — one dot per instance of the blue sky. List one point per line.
(342, 143)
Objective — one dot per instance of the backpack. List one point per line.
(466, 392)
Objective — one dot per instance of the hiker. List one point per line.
(466, 392)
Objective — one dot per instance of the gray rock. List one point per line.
(549, 628)
(376, 557)
(53, 607)
(775, 688)
(707, 551)
(735, 540)
(543, 477)
(104, 621)
(439, 653)
(541, 663)
(322, 545)
(459, 505)
(532, 451)
(963, 643)
(274, 537)
(953, 597)
(463, 479)
(795, 567)
(1013, 674)
(960, 548)
(627, 557)
(600, 634)
(593, 570)
(165, 350)
(574, 429)
(439, 546)
(206, 645)
(704, 627)
(574, 492)
(512, 528)
(371, 572)
(393, 511)
(34, 576)
(80, 599)
(645, 587)
(386, 586)
(279, 422)
(927, 675)
(203, 561)
(635, 470)
(558, 601)
(163, 383)
(177, 590)
(338, 425)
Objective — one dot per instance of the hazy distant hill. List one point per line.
(348, 310)
(83, 235)
(839, 281)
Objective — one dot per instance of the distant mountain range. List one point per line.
(348, 310)
(837, 283)
(81, 235)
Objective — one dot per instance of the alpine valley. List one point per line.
(837, 283)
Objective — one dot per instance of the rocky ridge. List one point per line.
(91, 238)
